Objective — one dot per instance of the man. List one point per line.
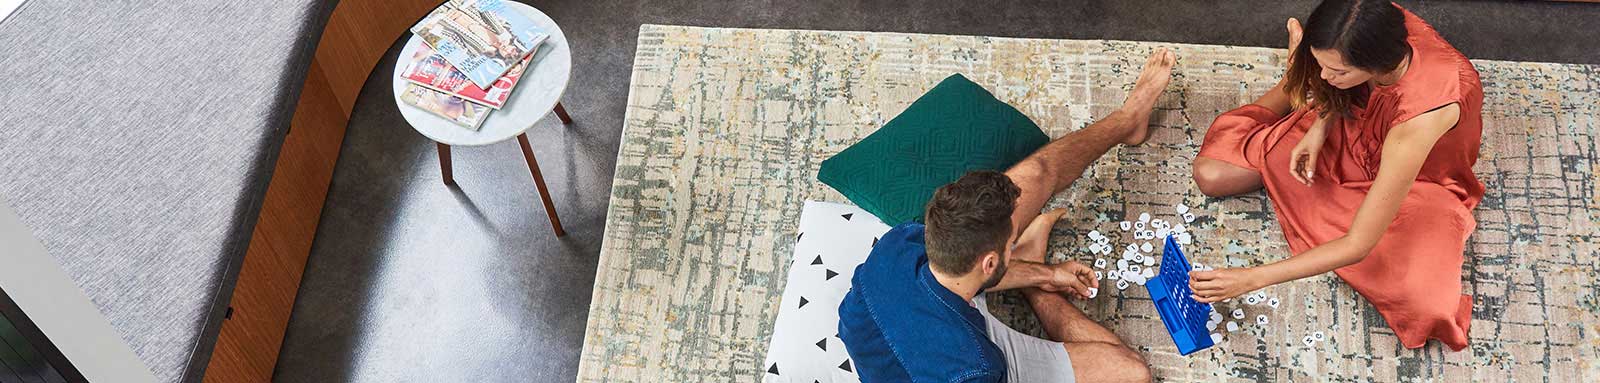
(910, 314)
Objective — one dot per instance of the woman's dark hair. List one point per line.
(1370, 34)
(969, 218)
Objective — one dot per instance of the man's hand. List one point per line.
(1035, 239)
(1071, 278)
(1216, 285)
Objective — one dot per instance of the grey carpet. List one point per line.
(413, 281)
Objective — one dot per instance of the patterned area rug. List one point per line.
(726, 129)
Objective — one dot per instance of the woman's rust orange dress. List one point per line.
(1413, 276)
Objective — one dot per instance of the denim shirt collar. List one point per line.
(931, 283)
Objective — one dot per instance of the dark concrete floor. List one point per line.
(412, 281)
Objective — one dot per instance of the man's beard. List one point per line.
(994, 280)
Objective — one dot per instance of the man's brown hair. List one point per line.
(969, 217)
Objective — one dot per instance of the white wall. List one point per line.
(55, 304)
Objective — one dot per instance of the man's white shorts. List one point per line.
(1028, 359)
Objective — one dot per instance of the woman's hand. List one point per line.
(1071, 278)
(1303, 158)
(1216, 285)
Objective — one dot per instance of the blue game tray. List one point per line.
(1169, 290)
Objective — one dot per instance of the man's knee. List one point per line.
(1134, 368)
(1107, 362)
(1030, 173)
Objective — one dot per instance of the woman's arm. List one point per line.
(1303, 158)
(1404, 150)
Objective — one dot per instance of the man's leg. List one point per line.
(1097, 354)
(1054, 167)
(1105, 362)
(1064, 322)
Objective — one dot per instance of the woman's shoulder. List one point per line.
(1437, 74)
(1436, 61)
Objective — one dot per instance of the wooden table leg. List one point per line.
(562, 114)
(538, 181)
(444, 163)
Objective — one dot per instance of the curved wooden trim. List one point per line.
(357, 35)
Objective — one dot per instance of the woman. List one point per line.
(1365, 148)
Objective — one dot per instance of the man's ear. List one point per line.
(990, 262)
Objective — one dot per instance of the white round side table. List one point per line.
(536, 95)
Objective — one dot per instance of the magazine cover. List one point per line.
(431, 70)
(482, 38)
(452, 108)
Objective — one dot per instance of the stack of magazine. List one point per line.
(475, 52)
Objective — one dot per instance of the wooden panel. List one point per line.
(247, 346)
(349, 59)
(357, 35)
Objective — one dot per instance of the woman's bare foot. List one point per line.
(1295, 33)
(1277, 99)
(1152, 81)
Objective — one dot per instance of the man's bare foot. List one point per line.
(1152, 81)
(1031, 243)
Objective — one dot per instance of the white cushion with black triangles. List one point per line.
(832, 240)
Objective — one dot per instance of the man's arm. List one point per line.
(1021, 274)
(1026, 267)
(1068, 277)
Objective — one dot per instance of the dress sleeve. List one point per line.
(1444, 77)
(1423, 99)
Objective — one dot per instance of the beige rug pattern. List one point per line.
(726, 128)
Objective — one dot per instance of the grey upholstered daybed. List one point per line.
(137, 139)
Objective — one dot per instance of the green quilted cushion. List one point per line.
(955, 128)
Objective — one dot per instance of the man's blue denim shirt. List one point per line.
(899, 324)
